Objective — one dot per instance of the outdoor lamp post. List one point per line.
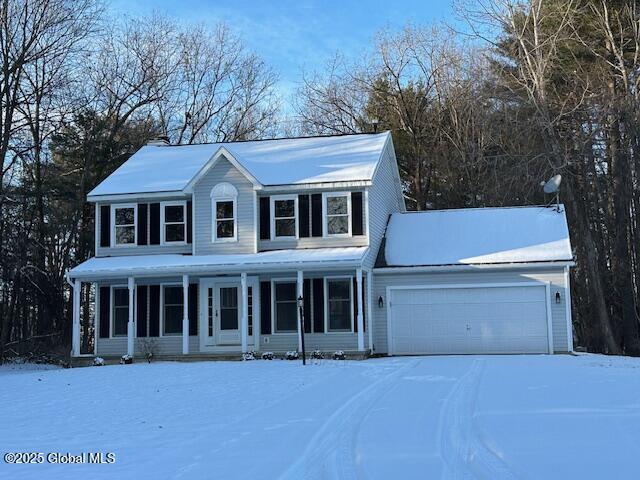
(301, 327)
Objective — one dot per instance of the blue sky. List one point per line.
(295, 36)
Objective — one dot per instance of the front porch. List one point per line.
(220, 315)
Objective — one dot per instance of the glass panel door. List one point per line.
(228, 308)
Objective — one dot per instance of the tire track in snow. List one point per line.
(330, 452)
(465, 455)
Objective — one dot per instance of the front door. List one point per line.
(227, 313)
(221, 313)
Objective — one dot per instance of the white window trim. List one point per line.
(272, 212)
(325, 218)
(112, 306)
(163, 232)
(273, 305)
(214, 219)
(113, 209)
(326, 304)
(162, 287)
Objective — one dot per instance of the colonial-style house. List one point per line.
(210, 249)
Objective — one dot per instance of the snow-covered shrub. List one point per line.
(292, 355)
(98, 362)
(339, 355)
(248, 356)
(126, 360)
(148, 347)
(317, 354)
(268, 356)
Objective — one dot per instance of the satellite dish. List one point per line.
(553, 184)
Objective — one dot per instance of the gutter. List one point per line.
(474, 267)
(215, 269)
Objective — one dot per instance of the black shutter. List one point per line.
(189, 220)
(141, 310)
(357, 223)
(105, 311)
(193, 309)
(154, 310)
(316, 215)
(265, 219)
(105, 226)
(265, 308)
(154, 224)
(306, 295)
(355, 304)
(142, 223)
(318, 305)
(303, 213)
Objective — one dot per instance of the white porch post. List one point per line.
(244, 330)
(299, 294)
(75, 338)
(360, 318)
(130, 326)
(370, 307)
(185, 314)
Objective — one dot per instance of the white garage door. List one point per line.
(501, 319)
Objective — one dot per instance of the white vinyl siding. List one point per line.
(203, 214)
(383, 201)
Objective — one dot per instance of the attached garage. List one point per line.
(469, 320)
(474, 281)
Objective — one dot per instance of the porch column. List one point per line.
(130, 326)
(75, 335)
(299, 294)
(360, 318)
(185, 314)
(370, 308)
(244, 318)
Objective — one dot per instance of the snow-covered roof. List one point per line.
(175, 264)
(477, 236)
(165, 168)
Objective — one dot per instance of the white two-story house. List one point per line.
(227, 248)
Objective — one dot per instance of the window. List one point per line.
(120, 311)
(173, 309)
(339, 308)
(285, 307)
(337, 214)
(225, 219)
(174, 222)
(284, 210)
(224, 207)
(124, 225)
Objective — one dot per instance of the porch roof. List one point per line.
(97, 268)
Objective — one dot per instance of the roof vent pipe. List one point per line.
(159, 141)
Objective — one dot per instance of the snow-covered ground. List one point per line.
(431, 417)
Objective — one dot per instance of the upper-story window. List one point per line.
(336, 214)
(174, 222)
(224, 207)
(284, 216)
(123, 219)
